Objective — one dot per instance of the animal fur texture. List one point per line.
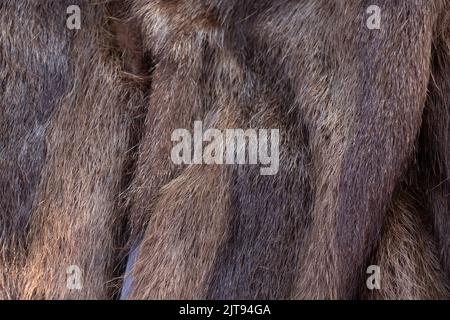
(86, 178)
(67, 129)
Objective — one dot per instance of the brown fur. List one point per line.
(410, 267)
(349, 103)
(72, 213)
(363, 178)
(32, 84)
